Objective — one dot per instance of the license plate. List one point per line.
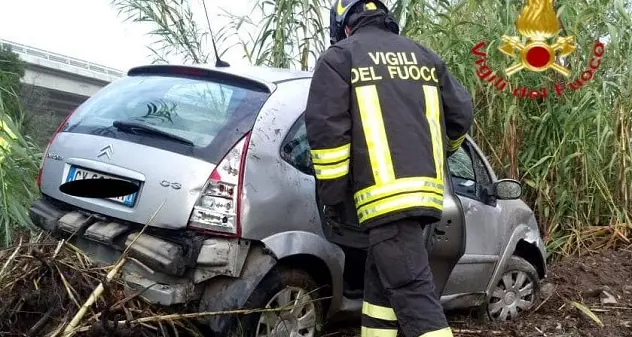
(79, 173)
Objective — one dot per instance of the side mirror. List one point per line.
(507, 189)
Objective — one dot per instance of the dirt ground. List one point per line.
(35, 295)
(597, 281)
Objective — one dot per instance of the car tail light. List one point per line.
(218, 208)
(50, 141)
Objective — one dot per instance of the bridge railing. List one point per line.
(58, 58)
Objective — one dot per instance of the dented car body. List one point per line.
(224, 170)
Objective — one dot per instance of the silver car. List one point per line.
(224, 152)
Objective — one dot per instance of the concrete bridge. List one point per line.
(65, 82)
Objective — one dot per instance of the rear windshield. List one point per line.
(205, 117)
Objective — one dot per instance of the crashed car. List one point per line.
(223, 169)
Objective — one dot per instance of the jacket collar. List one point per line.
(369, 19)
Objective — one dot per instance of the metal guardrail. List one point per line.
(58, 58)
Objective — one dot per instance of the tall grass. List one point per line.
(572, 152)
(19, 162)
(287, 33)
(174, 27)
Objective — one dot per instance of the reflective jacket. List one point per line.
(381, 114)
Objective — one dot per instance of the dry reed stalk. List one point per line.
(72, 326)
(6, 263)
(176, 317)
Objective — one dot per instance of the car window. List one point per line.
(461, 165)
(468, 172)
(462, 173)
(295, 147)
(210, 114)
(483, 178)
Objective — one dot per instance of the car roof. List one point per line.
(267, 76)
(270, 74)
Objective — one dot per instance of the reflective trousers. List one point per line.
(399, 292)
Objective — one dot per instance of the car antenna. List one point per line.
(218, 62)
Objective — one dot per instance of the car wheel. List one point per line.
(515, 293)
(283, 287)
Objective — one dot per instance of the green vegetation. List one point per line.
(11, 71)
(19, 157)
(572, 152)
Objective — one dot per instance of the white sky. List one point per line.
(91, 30)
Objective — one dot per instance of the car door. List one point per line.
(471, 181)
(449, 239)
(295, 150)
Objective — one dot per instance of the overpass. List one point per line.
(56, 84)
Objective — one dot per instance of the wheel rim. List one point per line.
(513, 295)
(298, 321)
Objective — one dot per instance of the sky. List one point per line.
(91, 30)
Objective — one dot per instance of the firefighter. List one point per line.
(383, 113)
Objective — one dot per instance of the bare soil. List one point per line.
(585, 280)
(40, 292)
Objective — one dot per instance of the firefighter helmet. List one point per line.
(340, 12)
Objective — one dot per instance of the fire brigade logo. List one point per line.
(537, 49)
(538, 23)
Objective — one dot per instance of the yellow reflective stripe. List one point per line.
(379, 312)
(431, 95)
(324, 172)
(447, 332)
(398, 202)
(375, 134)
(454, 145)
(374, 332)
(367, 200)
(401, 185)
(333, 155)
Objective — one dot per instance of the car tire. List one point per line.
(279, 288)
(515, 293)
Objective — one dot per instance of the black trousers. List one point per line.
(399, 292)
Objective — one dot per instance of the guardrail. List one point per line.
(58, 58)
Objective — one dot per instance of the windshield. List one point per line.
(203, 113)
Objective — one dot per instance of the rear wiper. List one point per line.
(134, 127)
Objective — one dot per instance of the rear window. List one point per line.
(204, 117)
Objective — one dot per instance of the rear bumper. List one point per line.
(173, 269)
